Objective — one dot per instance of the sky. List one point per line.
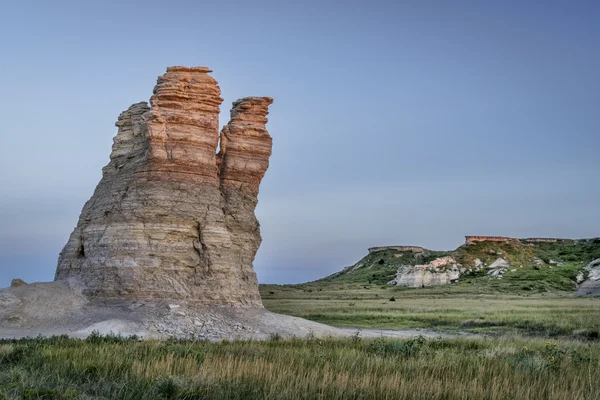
(394, 122)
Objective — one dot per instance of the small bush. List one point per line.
(275, 337)
(392, 298)
(387, 348)
(96, 338)
(168, 388)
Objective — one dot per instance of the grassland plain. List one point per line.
(528, 299)
(310, 368)
(444, 308)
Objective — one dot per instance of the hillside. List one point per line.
(504, 264)
(534, 289)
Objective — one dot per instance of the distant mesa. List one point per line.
(469, 240)
(495, 258)
(414, 249)
(543, 240)
(475, 239)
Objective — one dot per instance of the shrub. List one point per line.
(392, 298)
(168, 388)
(275, 337)
(387, 348)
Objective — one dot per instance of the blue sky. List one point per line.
(406, 122)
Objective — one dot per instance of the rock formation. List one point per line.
(414, 249)
(440, 271)
(164, 248)
(505, 239)
(474, 239)
(591, 284)
(170, 217)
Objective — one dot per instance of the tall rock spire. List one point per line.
(170, 218)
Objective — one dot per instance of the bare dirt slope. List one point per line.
(54, 308)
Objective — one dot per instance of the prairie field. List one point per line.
(448, 309)
(538, 346)
(310, 368)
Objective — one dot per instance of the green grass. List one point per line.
(355, 368)
(529, 299)
(450, 308)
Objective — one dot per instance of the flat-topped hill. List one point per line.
(497, 262)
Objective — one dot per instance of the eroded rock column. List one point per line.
(244, 159)
(170, 218)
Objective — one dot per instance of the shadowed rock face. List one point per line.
(591, 286)
(171, 218)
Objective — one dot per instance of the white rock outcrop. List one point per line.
(591, 286)
(440, 271)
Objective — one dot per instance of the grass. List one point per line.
(449, 308)
(528, 299)
(355, 368)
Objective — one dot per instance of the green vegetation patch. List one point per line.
(352, 368)
(490, 307)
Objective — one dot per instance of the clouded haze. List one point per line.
(409, 122)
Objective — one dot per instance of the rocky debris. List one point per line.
(17, 282)
(538, 261)
(591, 285)
(54, 308)
(593, 269)
(49, 301)
(440, 271)
(498, 268)
(8, 301)
(170, 218)
(499, 263)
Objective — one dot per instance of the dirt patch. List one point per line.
(55, 308)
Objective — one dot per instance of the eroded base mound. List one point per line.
(54, 308)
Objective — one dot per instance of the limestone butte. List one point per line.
(170, 218)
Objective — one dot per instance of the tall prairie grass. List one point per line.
(354, 368)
